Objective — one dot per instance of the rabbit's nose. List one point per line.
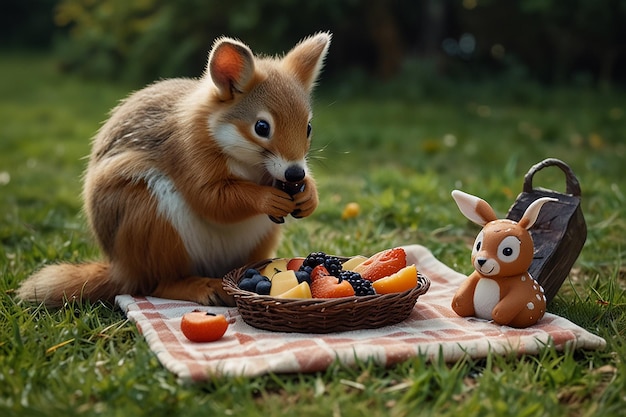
(481, 261)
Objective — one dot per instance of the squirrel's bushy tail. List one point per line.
(55, 284)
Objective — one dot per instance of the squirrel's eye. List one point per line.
(308, 130)
(262, 128)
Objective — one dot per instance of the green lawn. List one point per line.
(398, 157)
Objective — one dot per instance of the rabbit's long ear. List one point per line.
(532, 212)
(474, 208)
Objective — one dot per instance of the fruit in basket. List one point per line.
(282, 282)
(296, 277)
(360, 285)
(275, 266)
(253, 281)
(331, 263)
(200, 326)
(303, 276)
(382, 264)
(263, 287)
(295, 263)
(317, 272)
(331, 287)
(351, 263)
(302, 290)
(403, 280)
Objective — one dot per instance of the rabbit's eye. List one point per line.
(478, 243)
(509, 249)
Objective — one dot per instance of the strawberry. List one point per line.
(382, 264)
(319, 271)
(331, 287)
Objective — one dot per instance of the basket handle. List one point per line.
(573, 186)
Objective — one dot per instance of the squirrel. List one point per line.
(500, 288)
(180, 185)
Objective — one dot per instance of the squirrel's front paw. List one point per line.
(277, 203)
(306, 201)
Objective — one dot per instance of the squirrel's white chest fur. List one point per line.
(213, 248)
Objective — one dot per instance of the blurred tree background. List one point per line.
(551, 41)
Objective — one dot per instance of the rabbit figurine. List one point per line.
(500, 288)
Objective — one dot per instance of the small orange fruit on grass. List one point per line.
(331, 287)
(382, 264)
(351, 210)
(200, 326)
(403, 280)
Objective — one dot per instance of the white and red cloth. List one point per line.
(432, 330)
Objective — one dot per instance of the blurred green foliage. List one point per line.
(555, 41)
(148, 39)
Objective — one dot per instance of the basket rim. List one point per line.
(230, 285)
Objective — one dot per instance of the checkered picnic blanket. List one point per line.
(432, 330)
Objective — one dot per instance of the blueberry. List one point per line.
(247, 284)
(263, 287)
(307, 269)
(303, 276)
(256, 278)
(250, 272)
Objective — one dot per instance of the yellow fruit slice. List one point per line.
(301, 290)
(282, 282)
(274, 267)
(353, 262)
(403, 280)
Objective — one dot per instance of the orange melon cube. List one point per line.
(403, 280)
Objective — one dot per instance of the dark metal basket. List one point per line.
(560, 230)
(321, 315)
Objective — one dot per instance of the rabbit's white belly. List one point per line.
(486, 296)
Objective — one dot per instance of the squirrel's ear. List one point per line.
(306, 59)
(474, 208)
(230, 66)
(532, 212)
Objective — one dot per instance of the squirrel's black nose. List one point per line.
(481, 261)
(294, 173)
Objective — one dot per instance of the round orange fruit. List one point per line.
(200, 326)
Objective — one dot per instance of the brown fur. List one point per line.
(178, 164)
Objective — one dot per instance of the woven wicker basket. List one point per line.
(321, 315)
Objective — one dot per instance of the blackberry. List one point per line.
(361, 285)
(313, 259)
(331, 263)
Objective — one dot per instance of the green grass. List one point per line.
(398, 157)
